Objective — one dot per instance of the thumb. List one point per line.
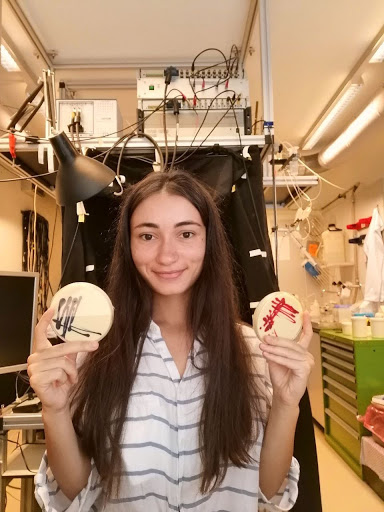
(40, 341)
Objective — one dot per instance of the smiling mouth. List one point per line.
(169, 275)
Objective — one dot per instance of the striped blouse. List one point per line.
(160, 447)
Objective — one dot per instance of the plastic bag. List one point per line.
(373, 420)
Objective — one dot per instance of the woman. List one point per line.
(174, 409)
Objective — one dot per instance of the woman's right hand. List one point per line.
(52, 368)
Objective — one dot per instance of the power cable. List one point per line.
(69, 255)
(180, 158)
(28, 177)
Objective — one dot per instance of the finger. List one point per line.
(50, 364)
(49, 377)
(292, 364)
(287, 352)
(282, 342)
(64, 349)
(41, 341)
(306, 337)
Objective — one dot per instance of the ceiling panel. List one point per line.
(137, 31)
(314, 46)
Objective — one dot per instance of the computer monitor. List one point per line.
(18, 305)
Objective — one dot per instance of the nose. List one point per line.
(167, 252)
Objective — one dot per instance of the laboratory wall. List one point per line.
(293, 277)
(368, 197)
(12, 202)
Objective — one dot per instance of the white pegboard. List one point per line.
(98, 117)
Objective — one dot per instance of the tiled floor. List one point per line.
(341, 489)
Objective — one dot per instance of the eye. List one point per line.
(187, 234)
(146, 237)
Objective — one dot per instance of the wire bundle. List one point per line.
(35, 254)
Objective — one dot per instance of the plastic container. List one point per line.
(342, 313)
(377, 326)
(346, 327)
(333, 246)
(359, 327)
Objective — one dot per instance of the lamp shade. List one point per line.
(79, 177)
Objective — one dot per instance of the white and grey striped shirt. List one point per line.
(160, 447)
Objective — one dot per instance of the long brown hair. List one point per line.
(231, 401)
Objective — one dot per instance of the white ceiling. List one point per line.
(314, 45)
(134, 31)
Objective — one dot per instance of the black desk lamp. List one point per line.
(78, 178)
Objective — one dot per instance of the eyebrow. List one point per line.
(156, 226)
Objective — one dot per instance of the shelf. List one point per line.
(141, 143)
(299, 181)
(336, 265)
(33, 454)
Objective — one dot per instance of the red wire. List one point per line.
(12, 145)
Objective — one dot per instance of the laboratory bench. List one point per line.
(23, 461)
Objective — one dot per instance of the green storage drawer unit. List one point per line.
(353, 371)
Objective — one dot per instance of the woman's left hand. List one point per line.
(290, 364)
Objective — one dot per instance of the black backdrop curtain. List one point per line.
(242, 206)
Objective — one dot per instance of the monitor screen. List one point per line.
(18, 302)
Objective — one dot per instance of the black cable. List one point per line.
(220, 81)
(202, 142)
(175, 147)
(107, 153)
(263, 239)
(69, 254)
(180, 158)
(20, 446)
(258, 121)
(53, 235)
(28, 177)
(165, 126)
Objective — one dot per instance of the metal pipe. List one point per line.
(19, 172)
(17, 11)
(342, 196)
(275, 227)
(355, 253)
(249, 25)
(266, 65)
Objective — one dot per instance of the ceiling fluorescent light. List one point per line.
(369, 114)
(378, 56)
(345, 99)
(7, 61)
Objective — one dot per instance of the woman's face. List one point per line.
(168, 243)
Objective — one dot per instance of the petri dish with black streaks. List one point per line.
(83, 311)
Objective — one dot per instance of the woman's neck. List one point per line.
(170, 311)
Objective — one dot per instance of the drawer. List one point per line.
(343, 392)
(345, 347)
(342, 408)
(338, 362)
(345, 377)
(345, 436)
(330, 348)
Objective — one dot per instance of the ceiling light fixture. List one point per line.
(378, 56)
(7, 61)
(369, 114)
(345, 98)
